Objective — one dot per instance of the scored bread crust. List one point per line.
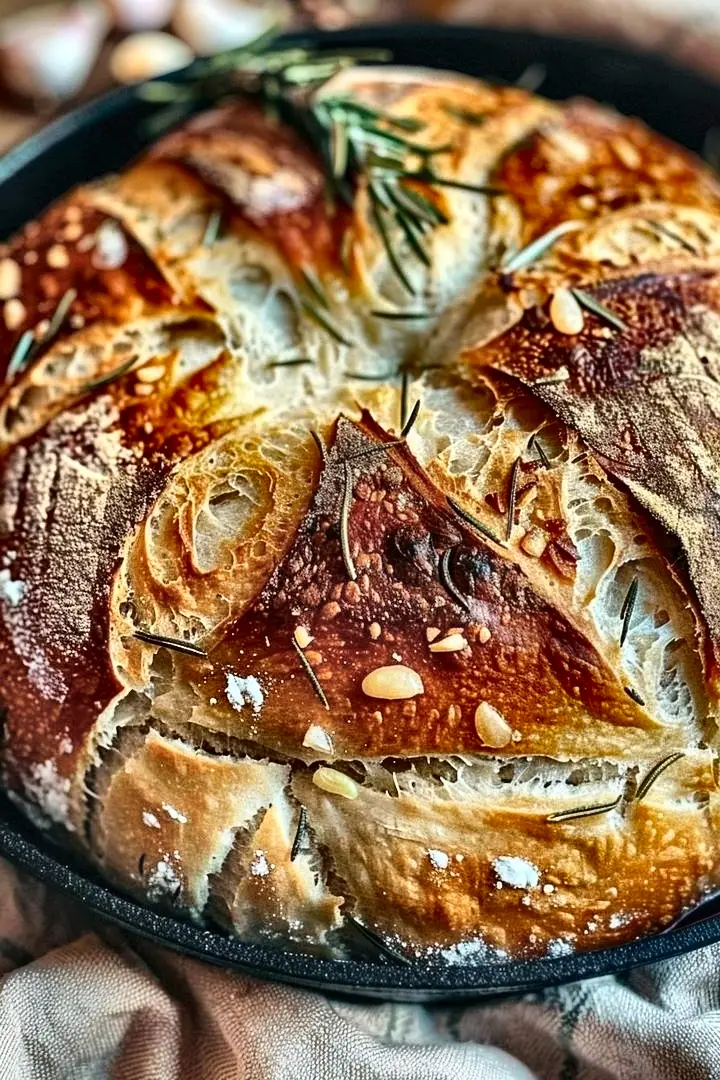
(160, 475)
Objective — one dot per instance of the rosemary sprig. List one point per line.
(410, 422)
(378, 942)
(347, 106)
(628, 606)
(170, 643)
(212, 229)
(344, 522)
(652, 774)
(537, 446)
(300, 835)
(512, 498)
(314, 285)
(325, 322)
(472, 520)
(308, 669)
(21, 355)
(633, 695)
(533, 251)
(583, 811)
(111, 377)
(591, 304)
(444, 572)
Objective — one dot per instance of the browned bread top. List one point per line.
(283, 650)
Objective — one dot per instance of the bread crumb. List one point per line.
(439, 859)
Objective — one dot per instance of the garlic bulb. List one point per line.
(147, 55)
(48, 52)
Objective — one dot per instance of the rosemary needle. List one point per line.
(170, 643)
(322, 450)
(583, 811)
(378, 942)
(533, 251)
(300, 835)
(212, 229)
(410, 422)
(308, 668)
(627, 608)
(472, 520)
(401, 315)
(447, 582)
(537, 446)
(404, 389)
(59, 316)
(111, 376)
(21, 355)
(512, 498)
(324, 321)
(591, 304)
(652, 775)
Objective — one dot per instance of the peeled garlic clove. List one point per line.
(134, 15)
(211, 26)
(48, 52)
(147, 55)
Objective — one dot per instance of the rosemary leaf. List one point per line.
(583, 811)
(141, 864)
(308, 669)
(533, 251)
(349, 107)
(300, 835)
(532, 78)
(111, 376)
(346, 249)
(443, 181)
(170, 643)
(659, 227)
(633, 695)
(537, 446)
(652, 775)
(421, 205)
(370, 376)
(404, 388)
(628, 606)
(591, 304)
(338, 148)
(59, 316)
(414, 242)
(212, 229)
(375, 940)
(447, 581)
(467, 116)
(377, 448)
(472, 520)
(295, 361)
(322, 449)
(385, 237)
(21, 355)
(410, 422)
(400, 316)
(344, 524)
(322, 320)
(314, 285)
(512, 498)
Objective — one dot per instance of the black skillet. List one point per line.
(104, 136)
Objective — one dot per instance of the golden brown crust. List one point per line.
(370, 670)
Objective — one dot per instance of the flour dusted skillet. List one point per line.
(284, 651)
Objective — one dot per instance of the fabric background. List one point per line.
(82, 1001)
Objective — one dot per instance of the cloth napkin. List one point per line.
(82, 1001)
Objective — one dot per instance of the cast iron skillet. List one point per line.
(103, 136)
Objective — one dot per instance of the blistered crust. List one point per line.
(276, 666)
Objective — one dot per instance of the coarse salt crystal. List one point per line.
(260, 867)
(150, 820)
(244, 690)
(516, 872)
(12, 591)
(176, 815)
(439, 859)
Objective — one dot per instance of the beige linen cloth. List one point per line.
(82, 1001)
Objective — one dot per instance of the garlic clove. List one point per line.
(132, 15)
(48, 52)
(211, 26)
(148, 55)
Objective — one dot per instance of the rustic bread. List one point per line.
(458, 688)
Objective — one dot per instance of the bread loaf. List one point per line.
(360, 573)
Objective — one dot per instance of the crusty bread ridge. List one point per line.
(411, 664)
